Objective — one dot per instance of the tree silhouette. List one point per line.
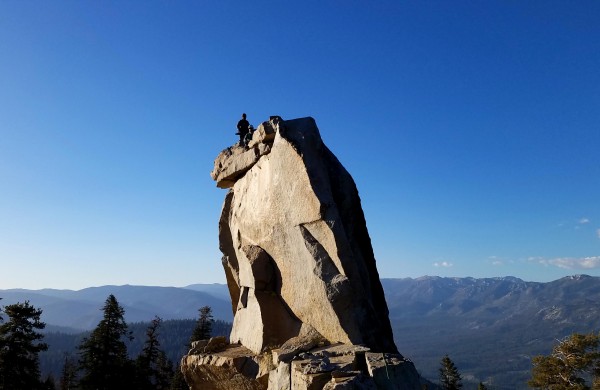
(178, 382)
(153, 368)
(449, 376)
(204, 325)
(68, 374)
(103, 355)
(20, 347)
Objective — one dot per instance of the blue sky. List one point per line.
(472, 130)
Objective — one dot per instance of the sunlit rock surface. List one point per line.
(300, 268)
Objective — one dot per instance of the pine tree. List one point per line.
(19, 347)
(154, 370)
(49, 383)
(572, 361)
(449, 376)
(68, 374)
(178, 381)
(481, 386)
(103, 355)
(165, 373)
(204, 325)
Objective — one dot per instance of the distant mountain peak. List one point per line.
(508, 278)
(578, 277)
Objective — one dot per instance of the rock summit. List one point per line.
(309, 309)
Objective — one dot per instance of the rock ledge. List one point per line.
(339, 366)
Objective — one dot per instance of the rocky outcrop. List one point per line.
(234, 367)
(297, 249)
(299, 263)
(339, 367)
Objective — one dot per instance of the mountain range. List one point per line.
(489, 327)
(82, 309)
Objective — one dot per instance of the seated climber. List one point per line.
(243, 127)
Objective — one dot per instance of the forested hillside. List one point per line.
(80, 310)
(174, 337)
(490, 327)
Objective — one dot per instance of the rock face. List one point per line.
(295, 244)
(234, 367)
(299, 263)
(338, 367)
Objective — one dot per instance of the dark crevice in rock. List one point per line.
(361, 363)
(244, 297)
(229, 259)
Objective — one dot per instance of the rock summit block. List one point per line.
(298, 248)
(298, 258)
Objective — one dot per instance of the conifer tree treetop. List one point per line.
(20, 344)
(103, 355)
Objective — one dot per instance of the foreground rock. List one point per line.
(338, 367)
(235, 367)
(300, 270)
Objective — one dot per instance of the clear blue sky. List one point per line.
(472, 129)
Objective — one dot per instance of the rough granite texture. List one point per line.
(295, 242)
(309, 309)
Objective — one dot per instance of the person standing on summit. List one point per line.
(243, 128)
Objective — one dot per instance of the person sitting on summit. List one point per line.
(243, 128)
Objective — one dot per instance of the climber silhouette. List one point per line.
(243, 128)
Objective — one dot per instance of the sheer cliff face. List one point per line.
(296, 250)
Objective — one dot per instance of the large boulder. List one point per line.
(235, 367)
(309, 309)
(296, 234)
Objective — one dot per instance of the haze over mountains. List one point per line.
(490, 327)
(81, 309)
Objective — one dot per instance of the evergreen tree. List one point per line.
(154, 370)
(178, 382)
(103, 355)
(49, 383)
(68, 374)
(449, 376)
(571, 362)
(20, 346)
(164, 374)
(204, 325)
(481, 386)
